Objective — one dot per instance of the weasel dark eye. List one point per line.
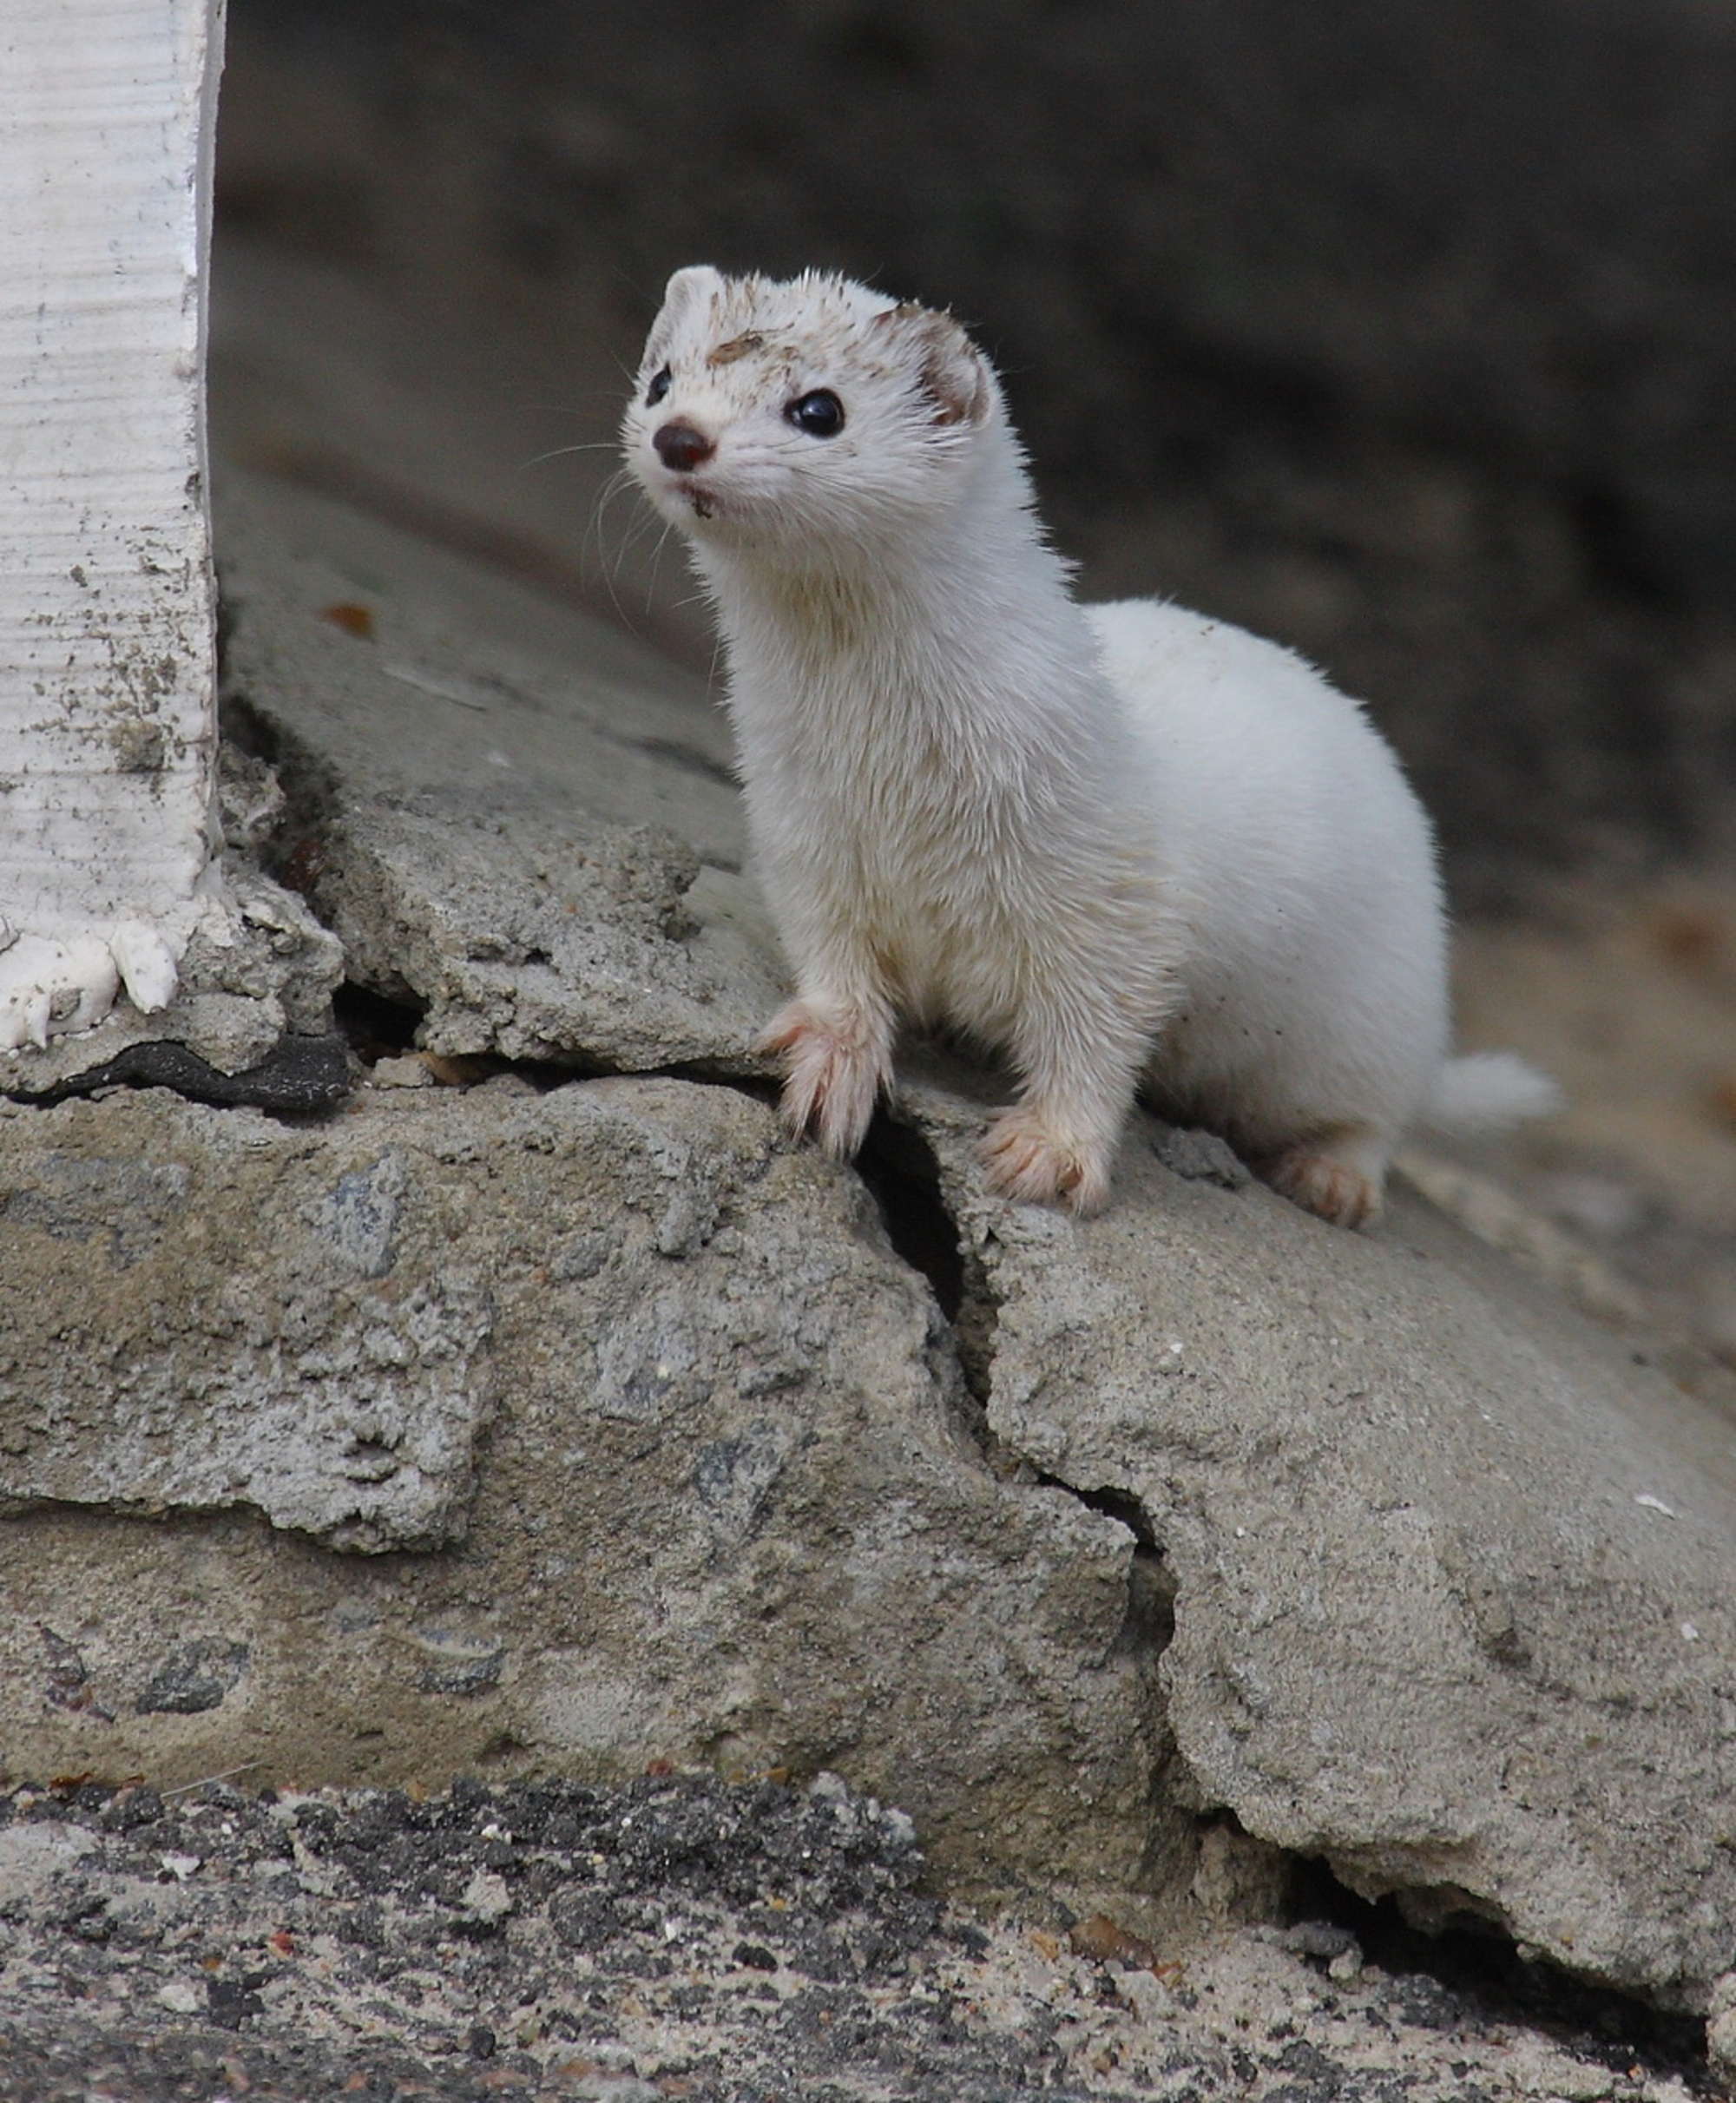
(658, 388)
(820, 414)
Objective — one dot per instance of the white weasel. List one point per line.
(1138, 848)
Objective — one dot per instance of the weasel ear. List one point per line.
(954, 373)
(681, 294)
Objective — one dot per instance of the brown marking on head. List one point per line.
(952, 377)
(948, 363)
(737, 346)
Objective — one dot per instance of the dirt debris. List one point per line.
(680, 1937)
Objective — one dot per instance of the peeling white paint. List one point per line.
(107, 724)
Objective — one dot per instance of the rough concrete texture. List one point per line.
(731, 1507)
(146, 1371)
(1451, 1573)
(669, 1441)
(511, 814)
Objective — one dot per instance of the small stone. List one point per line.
(580, 1258)
(181, 1867)
(1146, 1995)
(1199, 1157)
(486, 1898)
(194, 1678)
(899, 1829)
(1320, 1939)
(182, 1998)
(408, 1072)
(360, 1217)
(457, 1663)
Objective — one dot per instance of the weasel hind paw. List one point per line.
(1026, 1161)
(1332, 1190)
(833, 1073)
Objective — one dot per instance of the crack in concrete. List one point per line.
(902, 1172)
(900, 1168)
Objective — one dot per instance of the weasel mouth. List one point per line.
(704, 506)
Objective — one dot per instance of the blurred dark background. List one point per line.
(1400, 330)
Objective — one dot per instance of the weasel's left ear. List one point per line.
(683, 291)
(955, 375)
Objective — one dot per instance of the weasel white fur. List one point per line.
(1135, 847)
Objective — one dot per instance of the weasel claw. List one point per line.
(832, 1076)
(1026, 1163)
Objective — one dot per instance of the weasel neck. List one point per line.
(957, 625)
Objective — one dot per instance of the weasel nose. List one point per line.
(680, 446)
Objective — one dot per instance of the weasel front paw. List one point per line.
(1027, 1161)
(834, 1067)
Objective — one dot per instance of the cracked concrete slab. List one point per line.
(657, 1450)
(512, 816)
(1452, 1570)
(143, 1370)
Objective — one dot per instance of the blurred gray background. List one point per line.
(1400, 330)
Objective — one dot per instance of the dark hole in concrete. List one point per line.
(1114, 1503)
(1150, 1625)
(903, 1178)
(375, 1025)
(1152, 1586)
(1472, 1967)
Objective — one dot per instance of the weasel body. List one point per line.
(1135, 847)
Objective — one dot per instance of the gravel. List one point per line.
(686, 1937)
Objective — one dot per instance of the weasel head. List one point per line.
(804, 422)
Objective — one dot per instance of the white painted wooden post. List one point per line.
(108, 715)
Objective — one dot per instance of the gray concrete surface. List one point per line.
(1451, 1570)
(511, 816)
(685, 1435)
(559, 1424)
